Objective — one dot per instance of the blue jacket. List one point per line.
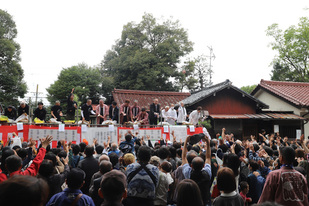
(256, 185)
(67, 196)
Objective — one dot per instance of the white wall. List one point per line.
(277, 104)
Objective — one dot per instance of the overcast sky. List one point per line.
(58, 34)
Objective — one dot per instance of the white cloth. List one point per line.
(194, 117)
(182, 114)
(173, 116)
(165, 114)
(206, 133)
(16, 142)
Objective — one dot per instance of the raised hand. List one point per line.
(46, 141)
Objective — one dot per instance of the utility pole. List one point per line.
(36, 94)
(211, 56)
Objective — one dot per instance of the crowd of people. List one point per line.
(200, 170)
(173, 114)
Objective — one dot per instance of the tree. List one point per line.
(87, 82)
(202, 71)
(12, 84)
(248, 89)
(186, 78)
(147, 55)
(292, 46)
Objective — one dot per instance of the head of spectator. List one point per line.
(128, 159)
(105, 166)
(103, 157)
(22, 153)
(89, 151)
(113, 157)
(62, 154)
(76, 149)
(24, 190)
(155, 160)
(46, 169)
(13, 163)
(128, 137)
(233, 162)
(190, 156)
(163, 153)
(226, 180)
(197, 164)
(166, 167)
(196, 148)
(75, 178)
(286, 155)
(82, 146)
(99, 149)
(6, 152)
(188, 193)
(244, 187)
(253, 165)
(144, 154)
(114, 146)
(179, 152)
(113, 187)
(172, 151)
(52, 157)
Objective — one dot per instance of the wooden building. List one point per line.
(290, 97)
(237, 111)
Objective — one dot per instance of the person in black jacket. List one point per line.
(114, 112)
(40, 112)
(10, 112)
(90, 166)
(23, 109)
(71, 107)
(154, 112)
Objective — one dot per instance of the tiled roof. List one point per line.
(294, 92)
(208, 91)
(145, 98)
(265, 116)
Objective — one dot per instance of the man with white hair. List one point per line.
(101, 111)
(165, 114)
(182, 113)
(135, 110)
(23, 108)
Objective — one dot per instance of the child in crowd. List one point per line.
(244, 189)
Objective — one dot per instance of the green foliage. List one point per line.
(87, 82)
(186, 78)
(206, 124)
(249, 88)
(292, 46)
(12, 85)
(147, 55)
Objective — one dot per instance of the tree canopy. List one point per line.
(248, 88)
(147, 55)
(87, 82)
(292, 45)
(12, 84)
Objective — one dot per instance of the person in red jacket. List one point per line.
(14, 163)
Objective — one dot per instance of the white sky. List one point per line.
(58, 34)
